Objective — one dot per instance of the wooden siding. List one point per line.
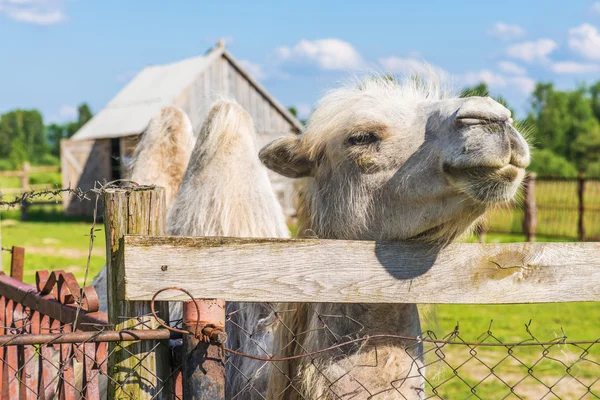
(83, 162)
(222, 78)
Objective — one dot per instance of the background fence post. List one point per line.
(137, 370)
(25, 176)
(24, 186)
(203, 368)
(17, 262)
(529, 207)
(580, 207)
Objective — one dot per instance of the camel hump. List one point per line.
(170, 121)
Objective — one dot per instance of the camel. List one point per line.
(226, 192)
(385, 160)
(160, 158)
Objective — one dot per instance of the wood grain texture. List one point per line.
(143, 213)
(279, 270)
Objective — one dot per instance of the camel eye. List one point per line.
(362, 139)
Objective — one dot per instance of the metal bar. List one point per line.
(29, 296)
(203, 368)
(17, 262)
(88, 336)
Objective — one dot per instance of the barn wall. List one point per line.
(83, 162)
(223, 78)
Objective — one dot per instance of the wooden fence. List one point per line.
(340, 271)
(142, 264)
(567, 208)
(24, 174)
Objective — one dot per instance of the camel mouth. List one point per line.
(487, 184)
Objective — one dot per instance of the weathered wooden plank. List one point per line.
(133, 212)
(279, 270)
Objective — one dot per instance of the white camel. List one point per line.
(226, 192)
(386, 160)
(160, 158)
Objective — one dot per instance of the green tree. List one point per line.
(56, 132)
(22, 136)
(545, 163)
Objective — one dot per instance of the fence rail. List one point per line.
(313, 270)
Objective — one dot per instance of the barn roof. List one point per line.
(129, 112)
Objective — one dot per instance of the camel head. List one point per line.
(395, 160)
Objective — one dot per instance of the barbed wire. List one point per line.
(78, 193)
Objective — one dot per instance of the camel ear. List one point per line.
(286, 157)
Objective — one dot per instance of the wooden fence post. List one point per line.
(25, 176)
(203, 368)
(138, 370)
(529, 207)
(580, 207)
(24, 186)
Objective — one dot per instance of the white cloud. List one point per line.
(327, 54)
(537, 50)
(523, 84)
(37, 12)
(65, 113)
(595, 7)
(585, 40)
(571, 67)
(511, 68)
(504, 31)
(407, 66)
(492, 79)
(255, 70)
(303, 110)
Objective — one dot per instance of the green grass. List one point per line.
(53, 246)
(507, 323)
(9, 182)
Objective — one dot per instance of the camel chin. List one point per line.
(487, 185)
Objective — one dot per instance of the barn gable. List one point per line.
(191, 84)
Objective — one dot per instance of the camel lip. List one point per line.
(509, 172)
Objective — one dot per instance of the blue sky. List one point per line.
(55, 54)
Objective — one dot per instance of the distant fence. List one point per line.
(24, 175)
(566, 208)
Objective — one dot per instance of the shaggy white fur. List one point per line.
(226, 192)
(160, 158)
(386, 160)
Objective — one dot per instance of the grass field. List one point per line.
(53, 246)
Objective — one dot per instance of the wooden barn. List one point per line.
(97, 151)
